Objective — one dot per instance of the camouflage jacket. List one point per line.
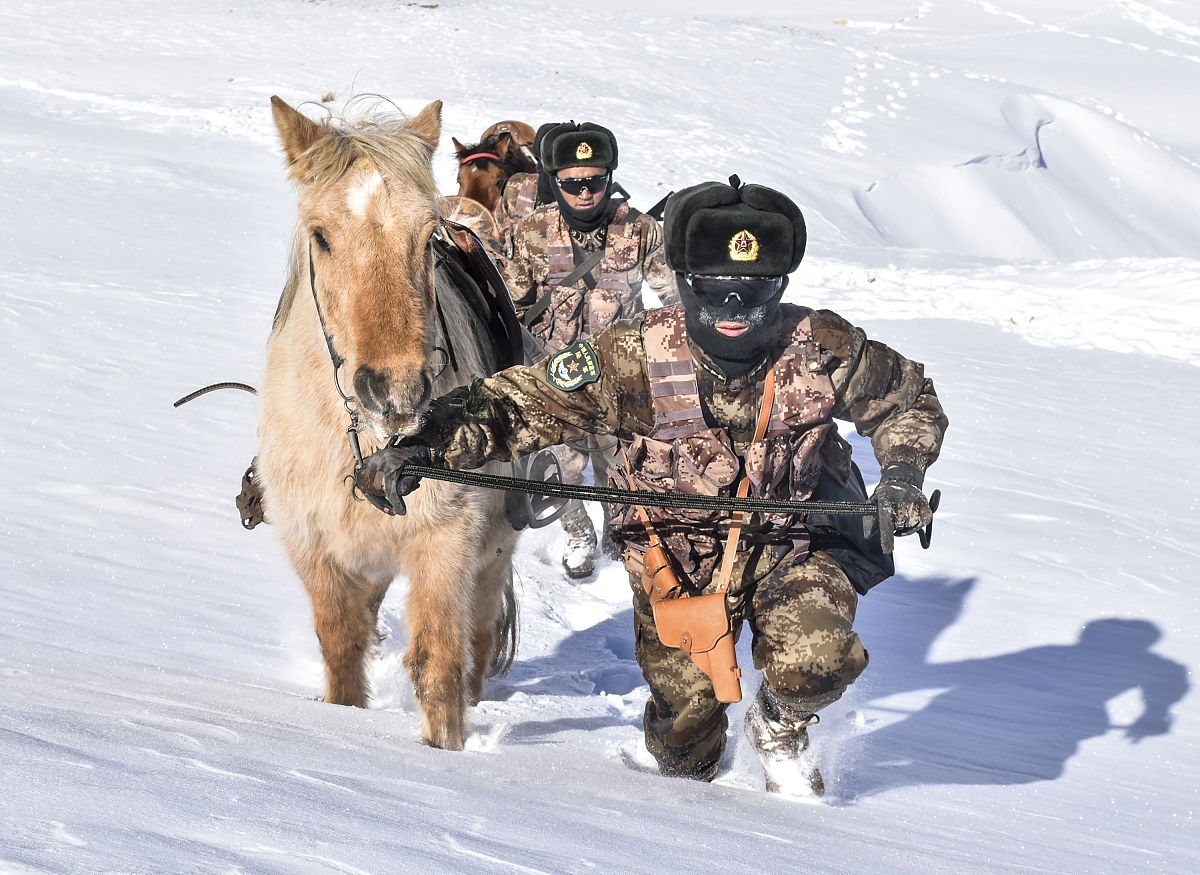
(516, 201)
(543, 255)
(887, 397)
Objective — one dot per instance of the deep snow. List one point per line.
(1004, 190)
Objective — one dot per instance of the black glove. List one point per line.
(902, 507)
(382, 479)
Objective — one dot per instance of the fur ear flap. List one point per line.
(428, 124)
(297, 133)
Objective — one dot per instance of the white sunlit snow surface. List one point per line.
(1003, 190)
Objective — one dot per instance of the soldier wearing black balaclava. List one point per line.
(711, 246)
(732, 391)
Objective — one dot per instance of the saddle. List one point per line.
(461, 256)
(519, 132)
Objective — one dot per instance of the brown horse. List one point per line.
(484, 167)
(362, 287)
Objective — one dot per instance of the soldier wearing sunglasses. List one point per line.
(577, 264)
(731, 391)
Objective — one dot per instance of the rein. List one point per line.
(673, 501)
(192, 396)
(728, 504)
(676, 501)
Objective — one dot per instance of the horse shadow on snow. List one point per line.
(1014, 718)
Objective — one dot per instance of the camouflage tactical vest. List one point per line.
(574, 311)
(683, 454)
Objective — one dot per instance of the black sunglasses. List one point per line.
(752, 291)
(575, 187)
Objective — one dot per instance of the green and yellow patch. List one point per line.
(575, 366)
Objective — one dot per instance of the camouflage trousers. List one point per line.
(800, 616)
(574, 462)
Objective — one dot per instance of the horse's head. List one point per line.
(367, 210)
(485, 167)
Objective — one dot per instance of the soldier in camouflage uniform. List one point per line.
(581, 225)
(681, 388)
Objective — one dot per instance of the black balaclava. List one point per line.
(718, 229)
(585, 220)
(733, 355)
(580, 145)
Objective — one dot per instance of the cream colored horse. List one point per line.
(367, 209)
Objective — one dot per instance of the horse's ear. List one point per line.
(428, 124)
(459, 148)
(297, 132)
(501, 147)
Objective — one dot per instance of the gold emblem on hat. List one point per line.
(583, 151)
(743, 246)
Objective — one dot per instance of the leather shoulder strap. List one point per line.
(739, 520)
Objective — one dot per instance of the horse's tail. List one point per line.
(506, 628)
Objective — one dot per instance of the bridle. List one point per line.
(477, 156)
(349, 401)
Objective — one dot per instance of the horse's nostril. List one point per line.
(371, 389)
(388, 398)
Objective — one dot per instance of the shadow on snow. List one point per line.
(1008, 719)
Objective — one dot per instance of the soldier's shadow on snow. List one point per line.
(1008, 719)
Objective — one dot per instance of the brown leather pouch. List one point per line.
(700, 627)
(658, 577)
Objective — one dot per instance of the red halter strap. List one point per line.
(471, 158)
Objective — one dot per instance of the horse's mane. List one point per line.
(474, 348)
(386, 141)
(509, 164)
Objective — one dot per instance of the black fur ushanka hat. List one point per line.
(733, 230)
(582, 145)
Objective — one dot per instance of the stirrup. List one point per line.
(525, 510)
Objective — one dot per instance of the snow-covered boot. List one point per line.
(580, 550)
(781, 738)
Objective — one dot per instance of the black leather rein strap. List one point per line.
(625, 496)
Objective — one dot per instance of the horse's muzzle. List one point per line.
(394, 403)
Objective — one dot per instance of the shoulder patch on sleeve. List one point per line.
(575, 366)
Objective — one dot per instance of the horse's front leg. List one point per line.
(344, 609)
(440, 572)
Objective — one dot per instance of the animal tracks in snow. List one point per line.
(868, 95)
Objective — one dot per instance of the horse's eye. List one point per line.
(321, 241)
